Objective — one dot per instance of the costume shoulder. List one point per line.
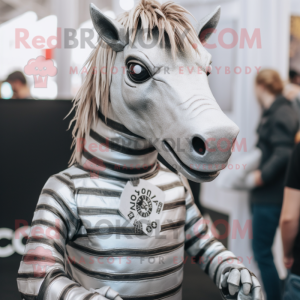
(57, 200)
(62, 186)
(73, 173)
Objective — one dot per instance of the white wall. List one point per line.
(67, 17)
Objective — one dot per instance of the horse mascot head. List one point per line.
(148, 79)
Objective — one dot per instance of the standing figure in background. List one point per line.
(292, 92)
(19, 85)
(276, 132)
(289, 224)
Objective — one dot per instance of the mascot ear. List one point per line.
(208, 24)
(110, 31)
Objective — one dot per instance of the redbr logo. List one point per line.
(41, 68)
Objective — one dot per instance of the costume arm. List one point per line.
(200, 243)
(227, 272)
(42, 274)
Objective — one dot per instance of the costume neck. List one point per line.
(112, 150)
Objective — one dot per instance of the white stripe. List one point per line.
(30, 287)
(193, 250)
(167, 238)
(192, 212)
(131, 288)
(98, 201)
(115, 265)
(46, 215)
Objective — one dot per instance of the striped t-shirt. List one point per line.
(79, 241)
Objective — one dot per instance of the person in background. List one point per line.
(289, 224)
(19, 85)
(276, 132)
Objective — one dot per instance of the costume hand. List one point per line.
(240, 284)
(108, 293)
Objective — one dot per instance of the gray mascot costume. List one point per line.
(116, 223)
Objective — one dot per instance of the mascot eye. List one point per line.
(137, 73)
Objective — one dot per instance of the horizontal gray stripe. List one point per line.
(63, 205)
(80, 235)
(54, 211)
(113, 230)
(102, 176)
(130, 230)
(212, 258)
(90, 296)
(86, 211)
(31, 275)
(33, 258)
(127, 276)
(170, 186)
(205, 248)
(119, 148)
(110, 177)
(173, 225)
(122, 169)
(196, 238)
(28, 297)
(174, 204)
(98, 192)
(191, 223)
(90, 174)
(163, 295)
(78, 176)
(51, 276)
(68, 183)
(94, 211)
(126, 252)
(48, 242)
(116, 126)
(49, 224)
(217, 269)
(190, 205)
(67, 289)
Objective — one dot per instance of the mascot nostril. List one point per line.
(199, 145)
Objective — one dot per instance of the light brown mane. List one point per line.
(169, 18)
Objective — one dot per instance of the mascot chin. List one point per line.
(116, 223)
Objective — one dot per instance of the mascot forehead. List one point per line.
(160, 55)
